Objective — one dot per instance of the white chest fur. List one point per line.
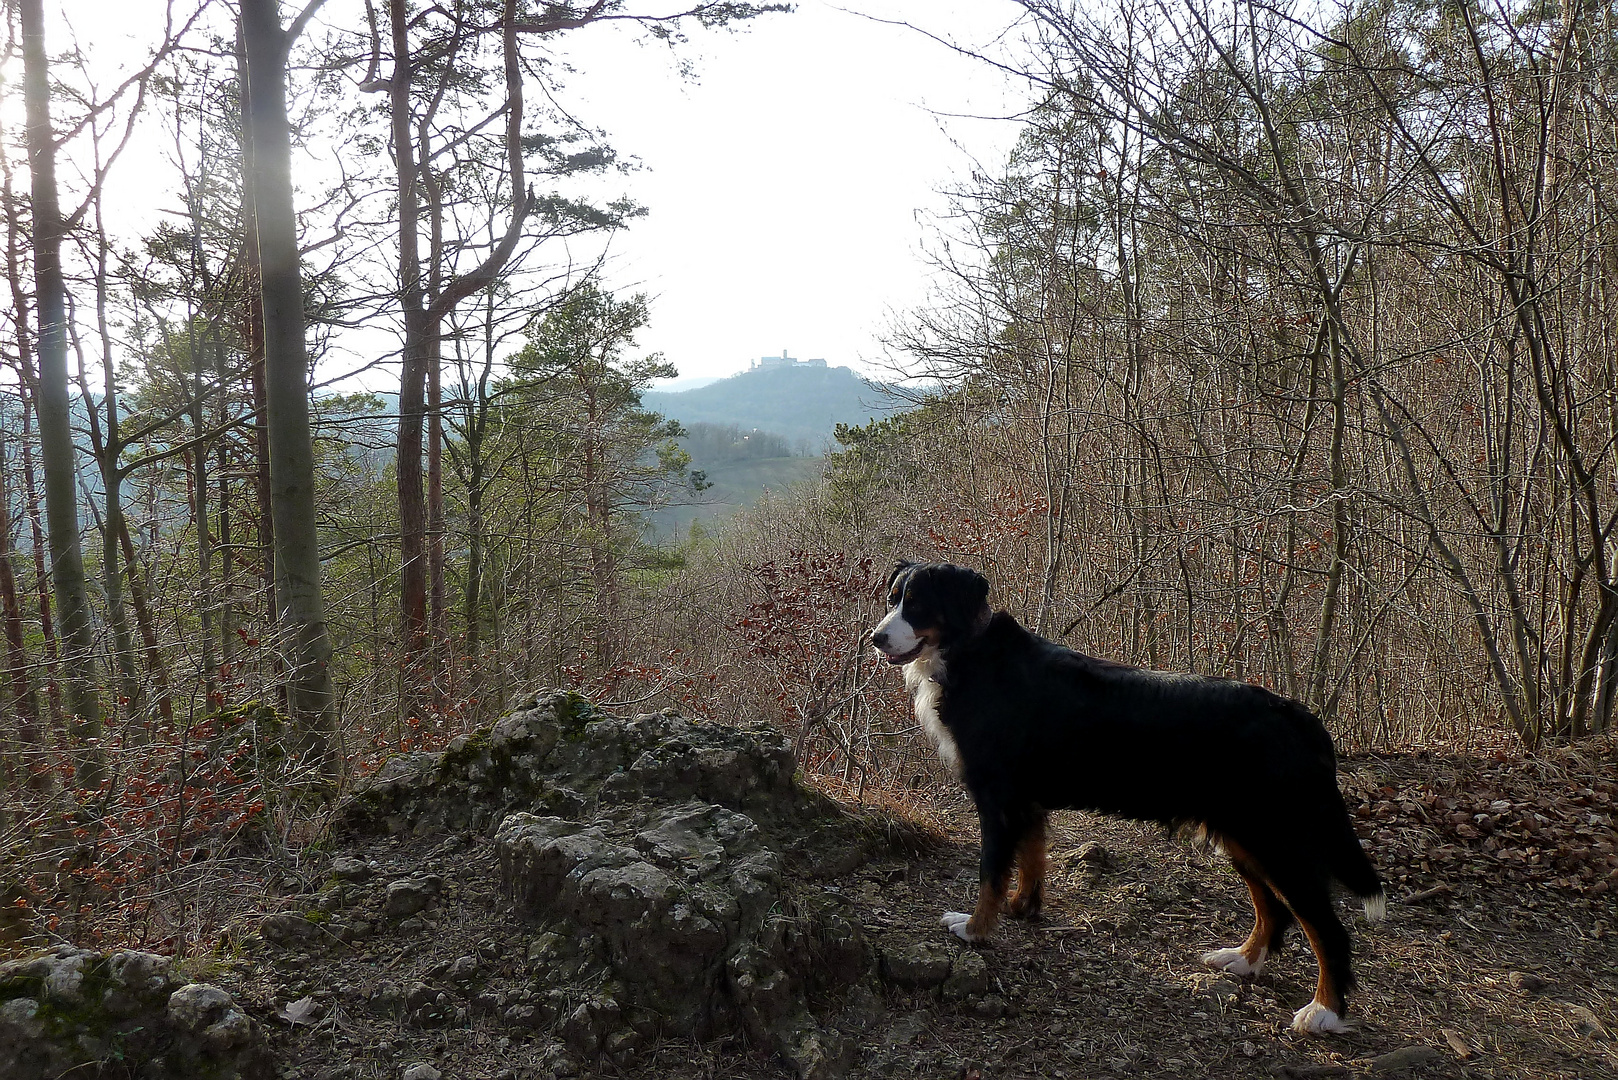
(921, 679)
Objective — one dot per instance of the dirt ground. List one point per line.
(1498, 958)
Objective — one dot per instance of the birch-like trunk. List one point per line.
(55, 432)
(301, 620)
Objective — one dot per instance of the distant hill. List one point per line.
(736, 485)
(801, 402)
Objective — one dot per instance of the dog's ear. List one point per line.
(893, 575)
(968, 593)
(972, 587)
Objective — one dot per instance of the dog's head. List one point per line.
(930, 606)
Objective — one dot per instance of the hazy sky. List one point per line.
(787, 185)
(789, 182)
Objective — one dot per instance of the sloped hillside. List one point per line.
(582, 892)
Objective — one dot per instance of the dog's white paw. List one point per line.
(955, 922)
(1234, 961)
(1315, 1019)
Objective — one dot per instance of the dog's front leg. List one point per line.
(994, 871)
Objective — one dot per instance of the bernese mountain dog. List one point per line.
(1031, 727)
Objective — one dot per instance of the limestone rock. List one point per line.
(968, 976)
(349, 869)
(63, 1012)
(917, 965)
(651, 851)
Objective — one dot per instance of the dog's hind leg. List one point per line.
(1270, 922)
(1030, 894)
(1310, 901)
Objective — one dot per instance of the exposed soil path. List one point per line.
(1498, 958)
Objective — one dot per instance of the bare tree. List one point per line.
(55, 432)
(301, 619)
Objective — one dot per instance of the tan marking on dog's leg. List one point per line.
(1031, 862)
(1257, 944)
(990, 902)
(1324, 1014)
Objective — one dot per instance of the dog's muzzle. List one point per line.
(880, 641)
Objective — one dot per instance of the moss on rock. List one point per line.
(126, 1013)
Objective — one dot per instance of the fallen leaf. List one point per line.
(306, 1010)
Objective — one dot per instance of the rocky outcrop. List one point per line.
(80, 1013)
(561, 755)
(667, 864)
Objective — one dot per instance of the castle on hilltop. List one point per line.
(783, 361)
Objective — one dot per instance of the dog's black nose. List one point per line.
(879, 639)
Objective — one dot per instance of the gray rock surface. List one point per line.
(561, 755)
(652, 854)
(72, 1012)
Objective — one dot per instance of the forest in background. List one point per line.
(1281, 348)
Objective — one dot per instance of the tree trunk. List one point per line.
(200, 521)
(28, 382)
(413, 361)
(55, 431)
(107, 446)
(47, 617)
(435, 523)
(25, 703)
(227, 562)
(301, 623)
(426, 303)
(253, 344)
(155, 664)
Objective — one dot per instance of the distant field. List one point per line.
(734, 486)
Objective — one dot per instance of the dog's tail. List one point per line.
(1351, 866)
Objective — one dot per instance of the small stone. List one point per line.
(992, 1007)
(524, 1017)
(420, 1071)
(1586, 1022)
(197, 1005)
(348, 868)
(286, 930)
(968, 976)
(620, 1042)
(919, 965)
(464, 969)
(19, 1021)
(545, 947)
(1526, 981)
(65, 982)
(579, 1032)
(1094, 853)
(1403, 1059)
(139, 974)
(406, 897)
(231, 1031)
